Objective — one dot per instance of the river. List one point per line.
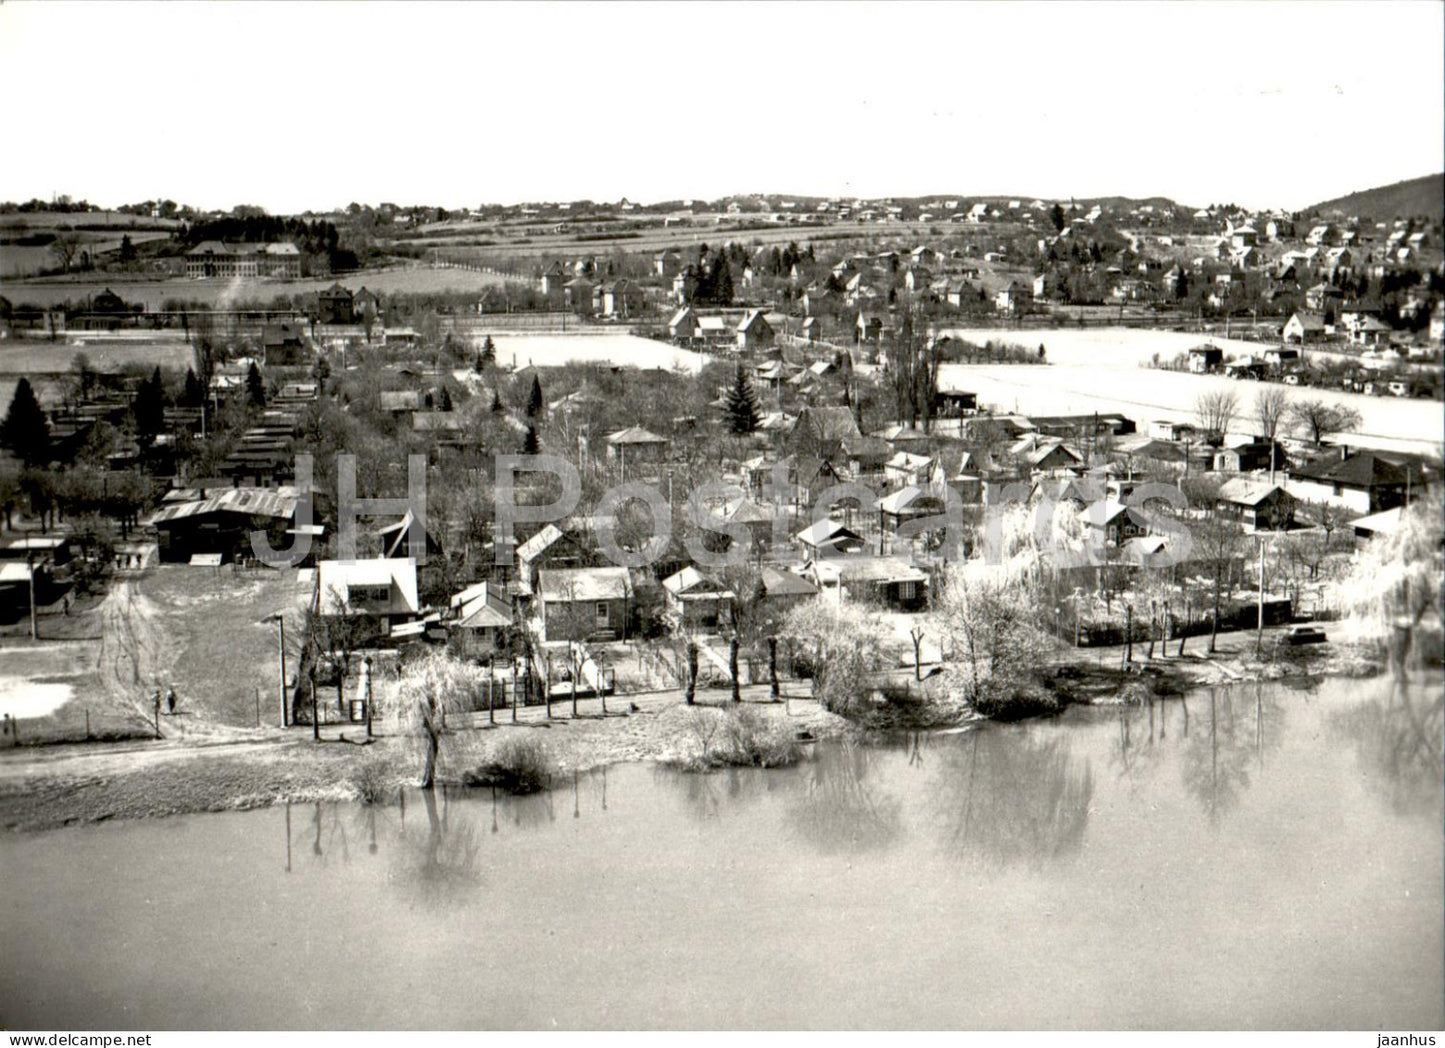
(1256, 857)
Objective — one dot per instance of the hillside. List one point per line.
(1408, 199)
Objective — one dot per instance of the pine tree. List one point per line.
(255, 387)
(446, 400)
(497, 406)
(530, 444)
(535, 403)
(722, 281)
(489, 351)
(742, 405)
(195, 393)
(149, 410)
(25, 431)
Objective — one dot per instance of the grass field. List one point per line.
(455, 244)
(35, 221)
(21, 261)
(223, 293)
(221, 651)
(33, 357)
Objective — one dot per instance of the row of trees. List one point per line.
(1273, 411)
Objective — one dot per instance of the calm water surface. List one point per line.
(1258, 857)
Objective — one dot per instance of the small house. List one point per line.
(1205, 359)
(696, 600)
(754, 332)
(583, 604)
(1305, 327)
(1259, 506)
(479, 615)
(380, 589)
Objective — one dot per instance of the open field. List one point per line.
(198, 630)
(17, 260)
(37, 221)
(623, 350)
(33, 357)
(223, 294)
(456, 244)
(219, 651)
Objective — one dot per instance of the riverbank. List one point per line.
(43, 787)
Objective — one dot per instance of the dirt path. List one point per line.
(136, 658)
(129, 659)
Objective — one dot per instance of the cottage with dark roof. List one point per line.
(1365, 482)
(335, 305)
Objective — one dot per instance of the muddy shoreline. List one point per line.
(49, 786)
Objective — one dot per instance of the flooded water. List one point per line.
(1102, 370)
(1258, 857)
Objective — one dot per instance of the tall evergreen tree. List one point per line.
(195, 393)
(742, 404)
(497, 406)
(255, 387)
(722, 281)
(445, 403)
(25, 431)
(530, 444)
(489, 351)
(535, 404)
(149, 410)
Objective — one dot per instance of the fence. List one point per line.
(551, 322)
(1244, 617)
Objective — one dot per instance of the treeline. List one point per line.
(315, 237)
(64, 205)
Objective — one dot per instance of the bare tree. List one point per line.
(1316, 418)
(64, 247)
(1214, 411)
(847, 645)
(1271, 405)
(991, 614)
(1218, 546)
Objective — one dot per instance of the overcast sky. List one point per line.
(294, 106)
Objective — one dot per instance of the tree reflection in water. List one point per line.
(321, 838)
(1241, 725)
(704, 792)
(838, 808)
(1013, 797)
(436, 863)
(1397, 737)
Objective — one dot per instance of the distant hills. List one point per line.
(1409, 199)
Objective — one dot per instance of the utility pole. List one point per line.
(1259, 609)
(281, 681)
(30, 572)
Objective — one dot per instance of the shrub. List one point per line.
(1019, 703)
(521, 765)
(741, 737)
(754, 740)
(372, 782)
